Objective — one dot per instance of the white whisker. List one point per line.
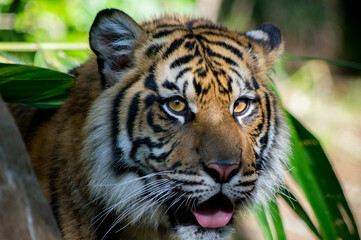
(147, 188)
(135, 179)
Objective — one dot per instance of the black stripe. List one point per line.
(164, 155)
(268, 106)
(226, 59)
(117, 153)
(205, 90)
(182, 72)
(221, 88)
(207, 26)
(143, 141)
(150, 100)
(170, 85)
(150, 119)
(173, 47)
(248, 85)
(185, 85)
(163, 33)
(132, 113)
(182, 60)
(188, 172)
(201, 72)
(167, 25)
(255, 83)
(191, 23)
(230, 80)
(153, 50)
(197, 87)
(217, 34)
(260, 127)
(150, 81)
(115, 113)
(217, 63)
(197, 52)
(189, 45)
(237, 73)
(264, 139)
(234, 50)
(248, 173)
(175, 165)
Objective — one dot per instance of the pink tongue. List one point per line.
(213, 218)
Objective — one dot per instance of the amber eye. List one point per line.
(240, 106)
(177, 105)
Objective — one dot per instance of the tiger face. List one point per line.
(187, 131)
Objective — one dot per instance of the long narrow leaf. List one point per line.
(305, 177)
(53, 102)
(292, 201)
(261, 218)
(277, 220)
(29, 84)
(314, 173)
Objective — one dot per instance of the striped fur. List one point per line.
(117, 163)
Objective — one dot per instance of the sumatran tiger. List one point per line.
(170, 131)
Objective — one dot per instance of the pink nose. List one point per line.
(222, 172)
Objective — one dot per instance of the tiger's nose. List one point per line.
(222, 172)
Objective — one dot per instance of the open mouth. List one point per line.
(214, 213)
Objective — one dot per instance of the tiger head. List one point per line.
(187, 131)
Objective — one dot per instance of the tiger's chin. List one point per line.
(197, 232)
(211, 219)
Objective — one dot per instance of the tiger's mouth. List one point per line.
(214, 213)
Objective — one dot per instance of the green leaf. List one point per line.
(33, 85)
(292, 201)
(54, 102)
(277, 220)
(261, 218)
(313, 172)
(263, 215)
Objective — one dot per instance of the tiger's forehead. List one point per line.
(199, 60)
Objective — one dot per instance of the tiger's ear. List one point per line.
(113, 38)
(269, 37)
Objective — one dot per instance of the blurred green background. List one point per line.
(326, 98)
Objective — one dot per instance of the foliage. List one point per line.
(35, 86)
(314, 174)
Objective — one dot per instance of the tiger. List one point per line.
(171, 131)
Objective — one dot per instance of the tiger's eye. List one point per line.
(177, 105)
(240, 106)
